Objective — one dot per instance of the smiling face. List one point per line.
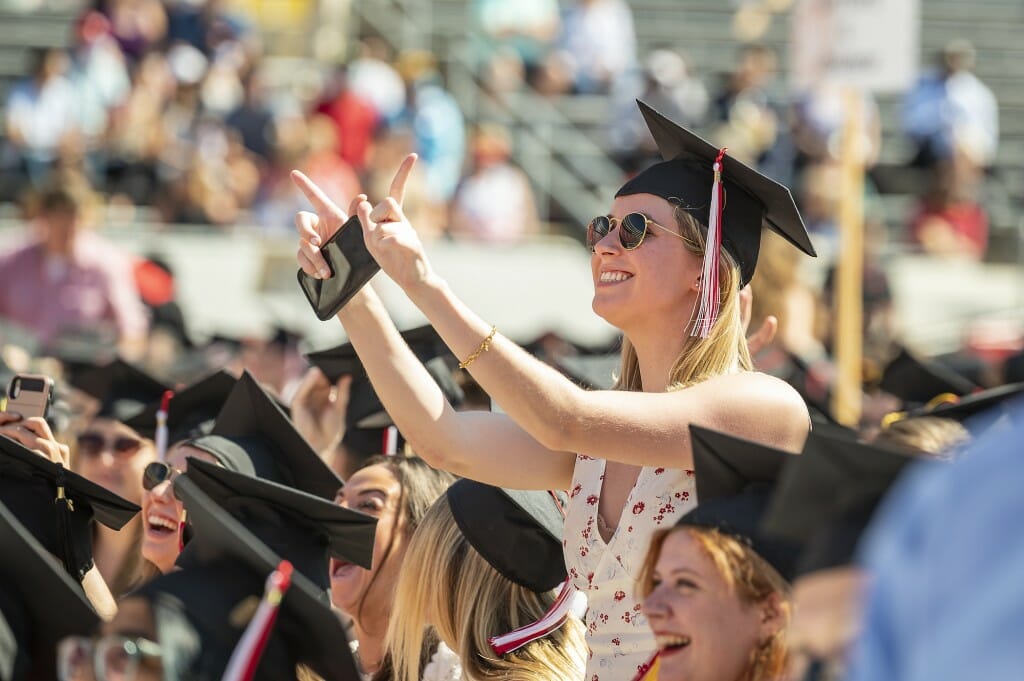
(655, 282)
(705, 630)
(162, 512)
(376, 491)
(113, 455)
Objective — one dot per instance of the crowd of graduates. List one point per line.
(443, 504)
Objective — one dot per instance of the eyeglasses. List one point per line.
(93, 444)
(632, 230)
(157, 472)
(113, 658)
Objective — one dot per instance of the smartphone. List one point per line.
(30, 395)
(351, 265)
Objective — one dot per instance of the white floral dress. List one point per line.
(619, 640)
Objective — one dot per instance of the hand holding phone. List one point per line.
(30, 395)
(351, 265)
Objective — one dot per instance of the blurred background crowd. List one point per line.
(179, 120)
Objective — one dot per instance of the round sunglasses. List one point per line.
(111, 658)
(632, 230)
(157, 472)
(93, 444)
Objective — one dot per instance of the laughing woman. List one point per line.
(625, 453)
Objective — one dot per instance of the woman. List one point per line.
(397, 491)
(624, 453)
(114, 455)
(483, 563)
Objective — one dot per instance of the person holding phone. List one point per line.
(624, 454)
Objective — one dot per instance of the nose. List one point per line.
(163, 491)
(107, 457)
(609, 244)
(655, 606)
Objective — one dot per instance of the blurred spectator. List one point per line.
(137, 25)
(513, 39)
(253, 119)
(372, 78)
(436, 122)
(948, 221)
(666, 83)
(819, 116)
(41, 115)
(203, 24)
(495, 202)
(68, 279)
(390, 148)
(597, 45)
(951, 114)
(747, 121)
(355, 118)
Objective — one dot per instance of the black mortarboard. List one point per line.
(252, 435)
(518, 532)
(752, 200)
(304, 528)
(826, 497)
(122, 389)
(735, 480)
(192, 410)
(208, 605)
(594, 372)
(39, 605)
(364, 408)
(976, 403)
(29, 486)
(917, 381)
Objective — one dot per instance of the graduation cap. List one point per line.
(365, 410)
(519, 533)
(192, 411)
(964, 408)
(917, 381)
(304, 528)
(202, 612)
(751, 200)
(39, 605)
(827, 496)
(735, 480)
(57, 505)
(122, 389)
(253, 435)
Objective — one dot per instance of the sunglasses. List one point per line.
(157, 472)
(94, 444)
(632, 230)
(111, 658)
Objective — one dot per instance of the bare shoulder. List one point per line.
(759, 407)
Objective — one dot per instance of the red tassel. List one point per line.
(161, 425)
(246, 657)
(710, 295)
(568, 602)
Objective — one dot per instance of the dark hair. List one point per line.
(60, 199)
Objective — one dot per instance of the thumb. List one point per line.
(388, 210)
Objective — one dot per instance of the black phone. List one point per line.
(351, 265)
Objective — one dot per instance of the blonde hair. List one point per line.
(930, 436)
(724, 350)
(750, 578)
(445, 582)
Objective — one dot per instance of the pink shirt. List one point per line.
(94, 290)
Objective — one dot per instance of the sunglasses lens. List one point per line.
(126, 445)
(154, 474)
(118, 659)
(597, 230)
(90, 444)
(73, 657)
(632, 230)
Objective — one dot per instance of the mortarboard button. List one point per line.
(752, 200)
(519, 533)
(123, 390)
(31, 487)
(735, 480)
(39, 604)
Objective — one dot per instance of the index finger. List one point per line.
(397, 191)
(316, 196)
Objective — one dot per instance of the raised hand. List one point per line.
(318, 409)
(35, 434)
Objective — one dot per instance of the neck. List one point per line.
(112, 548)
(371, 646)
(655, 358)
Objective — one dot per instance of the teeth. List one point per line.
(673, 641)
(157, 521)
(615, 276)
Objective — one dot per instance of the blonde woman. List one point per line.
(483, 563)
(625, 454)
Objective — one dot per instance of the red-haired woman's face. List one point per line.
(373, 490)
(705, 632)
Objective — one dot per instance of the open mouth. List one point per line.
(614, 277)
(160, 526)
(672, 644)
(341, 568)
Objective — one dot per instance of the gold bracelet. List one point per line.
(485, 345)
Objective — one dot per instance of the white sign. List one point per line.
(872, 45)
